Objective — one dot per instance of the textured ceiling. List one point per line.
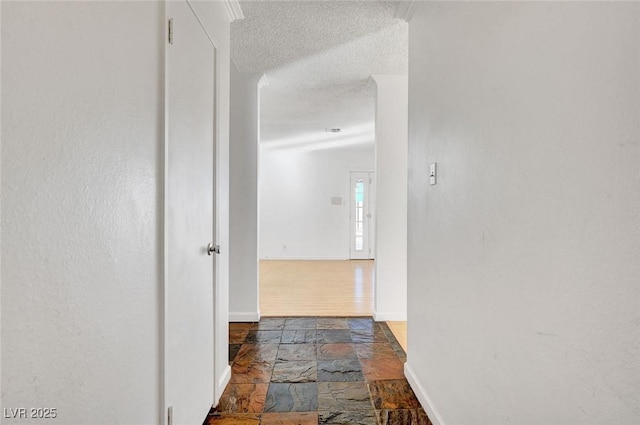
(318, 56)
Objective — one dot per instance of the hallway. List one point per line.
(316, 371)
(503, 142)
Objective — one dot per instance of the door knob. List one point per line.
(211, 248)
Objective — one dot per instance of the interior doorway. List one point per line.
(362, 216)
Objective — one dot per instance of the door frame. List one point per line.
(369, 215)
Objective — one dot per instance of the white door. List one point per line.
(189, 226)
(362, 208)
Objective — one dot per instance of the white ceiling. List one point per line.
(318, 56)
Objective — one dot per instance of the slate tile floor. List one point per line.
(316, 371)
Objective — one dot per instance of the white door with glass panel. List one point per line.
(362, 238)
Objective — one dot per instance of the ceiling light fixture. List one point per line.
(333, 130)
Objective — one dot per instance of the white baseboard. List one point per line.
(389, 316)
(222, 384)
(251, 316)
(423, 397)
(305, 258)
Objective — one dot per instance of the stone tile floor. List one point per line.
(327, 371)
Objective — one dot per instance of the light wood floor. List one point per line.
(320, 288)
(399, 330)
(316, 288)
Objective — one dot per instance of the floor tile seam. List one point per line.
(357, 355)
(373, 406)
(394, 341)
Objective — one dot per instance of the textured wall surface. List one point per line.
(524, 259)
(81, 139)
(81, 146)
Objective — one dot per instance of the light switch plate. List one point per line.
(432, 174)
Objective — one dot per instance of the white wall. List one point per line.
(524, 259)
(82, 137)
(243, 248)
(297, 219)
(82, 134)
(391, 197)
(215, 18)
